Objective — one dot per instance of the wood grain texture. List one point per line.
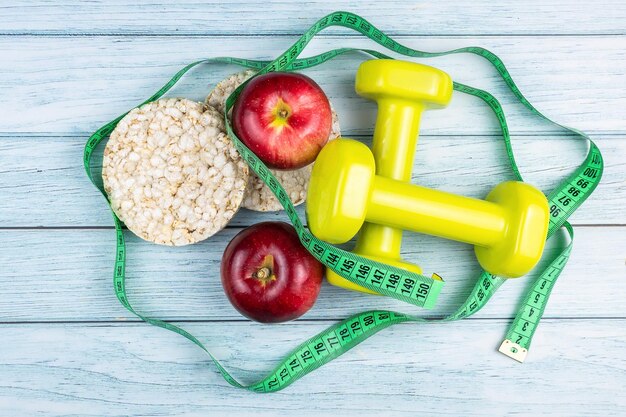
(244, 17)
(576, 368)
(68, 85)
(48, 188)
(67, 275)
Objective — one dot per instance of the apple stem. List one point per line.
(263, 273)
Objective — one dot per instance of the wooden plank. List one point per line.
(575, 367)
(69, 85)
(63, 275)
(45, 179)
(240, 17)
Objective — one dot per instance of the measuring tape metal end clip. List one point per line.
(513, 350)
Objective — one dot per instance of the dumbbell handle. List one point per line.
(395, 137)
(393, 146)
(412, 207)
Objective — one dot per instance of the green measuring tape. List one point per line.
(403, 285)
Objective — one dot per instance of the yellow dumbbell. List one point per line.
(402, 90)
(508, 229)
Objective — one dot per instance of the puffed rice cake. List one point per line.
(172, 174)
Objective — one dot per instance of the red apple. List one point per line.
(284, 118)
(268, 275)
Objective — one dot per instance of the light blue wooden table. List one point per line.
(68, 348)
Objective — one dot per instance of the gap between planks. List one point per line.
(115, 323)
(59, 34)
